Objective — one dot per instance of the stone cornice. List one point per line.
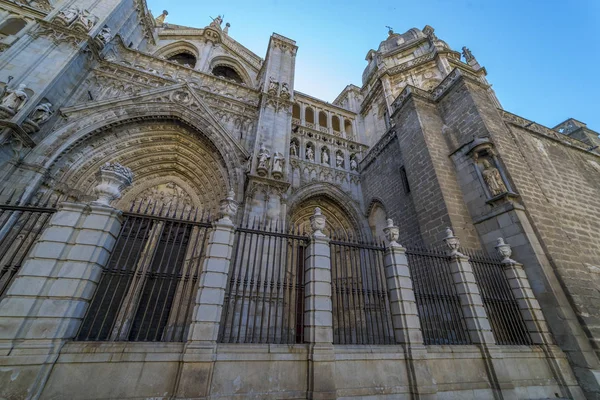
(20, 8)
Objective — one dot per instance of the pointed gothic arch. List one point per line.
(343, 214)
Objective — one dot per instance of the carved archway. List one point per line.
(171, 164)
(229, 62)
(344, 218)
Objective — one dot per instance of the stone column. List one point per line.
(200, 350)
(405, 318)
(47, 302)
(318, 315)
(478, 325)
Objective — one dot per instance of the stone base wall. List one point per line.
(150, 370)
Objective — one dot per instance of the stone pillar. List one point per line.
(405, 318)
(318, 315)
(476, 319)
(47, 301)
(200, 350)
(536, 323)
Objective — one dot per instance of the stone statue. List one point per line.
(310, 154)
(69, 15)
(353, 164)
(263, 160)
(216, 22)
(339, 160)
(273, 86)
(15, 99)
(493, 179)
(278, 162)
(285, 91)
(294, 149)
(42, 113)
(467, 54)
(160, 20)
(325, 156)
(104, 35)
(87, 20)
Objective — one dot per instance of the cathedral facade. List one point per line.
(177, 221)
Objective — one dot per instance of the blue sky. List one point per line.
(542, 56)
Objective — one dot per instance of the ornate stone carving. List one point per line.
(273, 86)
(452, 242)
(353, 163)
(325, 156)
(294, 149)
(285, 91)
(42, 113)
(278, 163)
(339, 160)
(493, 179)
(505, 251)
(467, 54)
(318, 222)
(67, 16)
(160, 20)
(263, 161)
(113, 178)
(228, 208)
(216, 22)
(310, 153)
(85, 21)
(104, 36)
(14, 99)
(392, 233)
(168, 196)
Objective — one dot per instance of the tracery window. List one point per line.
(185, 59)
(226, 72)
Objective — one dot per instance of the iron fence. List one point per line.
(438, 303)
(148, 289)
(500, 304)
(361, 309)
(264, 302)
(20, 226)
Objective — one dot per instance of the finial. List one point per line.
(228, 207)
(317, 222)
(392, 233)
(452, 242)
(390, 30)
(505, 251)
(467, 54)
(227, 26)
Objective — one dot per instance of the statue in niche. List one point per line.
(339, 160)
(493, 179)
(310, 154)
(285, 91)
(15, 99)
(273, 86)
(278, 162)
(325, 156)
(104, 35)
(293, 149)
(263, 160)
(42, 113)
(353, 164)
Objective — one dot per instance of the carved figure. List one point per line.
(467, 54)
(325, 156)
(293, 149)
(493, 179)
(285, 91)
(69, 15)
(353, 164)
(310, 154)
(278, 162)
(339, 160)
(87, 20)
(263, 160)
(273, 86)
(216, 22)
(42, 113)
(160, 20)
(15, 98)
(104, 35)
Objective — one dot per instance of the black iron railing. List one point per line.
(438, 303)
(264, 302)
(500, 305)
(20, 227)
(147, 291)
(361, 309)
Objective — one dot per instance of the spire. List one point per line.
(470, 58)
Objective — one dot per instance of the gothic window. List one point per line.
(185, 59)
(323, 119)
(404, 179)
(11, 27)
(335, 123)
(296, 111)
(226, 72)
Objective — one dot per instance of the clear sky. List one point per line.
(542, 56)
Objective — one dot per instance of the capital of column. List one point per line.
(113, 179)
(318, 223)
